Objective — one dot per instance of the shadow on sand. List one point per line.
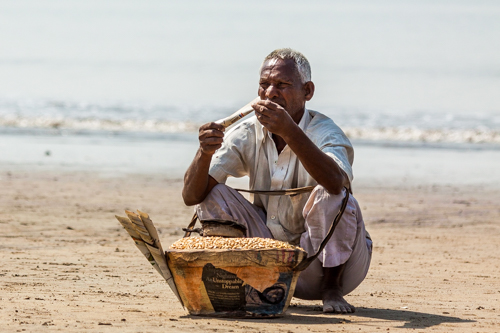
(310, 314)
(408, 319)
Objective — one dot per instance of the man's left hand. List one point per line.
(274, 117)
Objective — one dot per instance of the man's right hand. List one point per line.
(211, 136)
(197, 182)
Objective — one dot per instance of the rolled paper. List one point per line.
(140, 228)
(148, 224)
(238, 114)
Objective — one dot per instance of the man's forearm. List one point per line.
(197, 182)
(196, 179)
(319, 165)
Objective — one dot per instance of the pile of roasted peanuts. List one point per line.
(223, 243)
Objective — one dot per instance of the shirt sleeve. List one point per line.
(231, 159)
(340, 154)
(334, 143)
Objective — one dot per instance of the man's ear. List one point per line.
(309, 90)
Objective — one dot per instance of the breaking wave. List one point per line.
(396, 134)
(406, 134)
(55, 117)
(94, 124)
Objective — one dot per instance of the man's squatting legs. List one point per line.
(344, 262)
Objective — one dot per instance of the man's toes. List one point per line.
(327, 308)
(348, 308)
(341, 307)
(344, 309)
(331, 308)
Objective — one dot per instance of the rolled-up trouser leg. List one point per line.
(349, 244)
(225, 203)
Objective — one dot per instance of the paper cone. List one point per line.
(145, 236)
(141, 245)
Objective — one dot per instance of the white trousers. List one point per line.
(349, 245)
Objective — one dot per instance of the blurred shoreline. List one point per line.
(384, 163)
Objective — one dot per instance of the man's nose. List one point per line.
(271, 91)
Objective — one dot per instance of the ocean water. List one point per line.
(412, 72)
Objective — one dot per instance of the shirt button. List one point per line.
(273, 217)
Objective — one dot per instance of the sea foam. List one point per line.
(367, 133)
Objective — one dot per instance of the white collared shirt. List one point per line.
(249, 150)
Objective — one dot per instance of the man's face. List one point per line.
(280, 83)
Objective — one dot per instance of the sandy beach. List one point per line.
(67, 265)
(100, 105)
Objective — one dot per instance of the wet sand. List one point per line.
(67, 264)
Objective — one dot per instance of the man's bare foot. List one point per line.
(334, 302)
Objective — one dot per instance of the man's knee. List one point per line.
(218, 191)
(319, 213)
(221, 194)
(325, 204)
(321, 193)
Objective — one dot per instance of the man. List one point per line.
(287, 146)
